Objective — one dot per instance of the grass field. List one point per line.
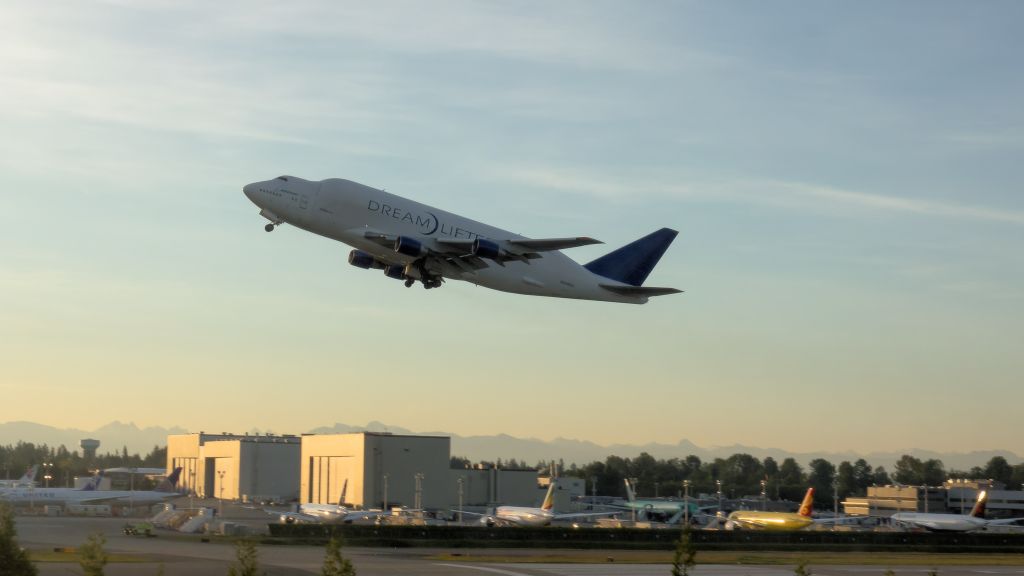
(750, 558)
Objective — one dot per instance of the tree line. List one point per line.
(64, 465)
(742, 475)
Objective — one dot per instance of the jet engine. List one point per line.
(409, 247)
(486, 249)
(396, 271)
(363, 260)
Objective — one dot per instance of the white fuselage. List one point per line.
(65, 496)
(346, 211)
(523, 516)
(325, 512)
(939, 522)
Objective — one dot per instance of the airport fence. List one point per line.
(629, 538)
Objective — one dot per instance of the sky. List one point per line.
(845, 179)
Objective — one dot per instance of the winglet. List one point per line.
(344, 489)
(807, 506)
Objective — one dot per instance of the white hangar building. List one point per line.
(373, 468)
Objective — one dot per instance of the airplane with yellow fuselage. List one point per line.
(759, 520)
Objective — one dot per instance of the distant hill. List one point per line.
(116, 435)
(531, 450)
(113, 437)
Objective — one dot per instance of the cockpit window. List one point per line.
(285, 178)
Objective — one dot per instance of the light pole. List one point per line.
(47, 472)
(131, 491)
(924, 494)
(385, 477)
(220, 486)
(835, 499)
(686, 502)
(718, 488)
(460, 481)
(635, 484)
(764, 495)
(419, 490)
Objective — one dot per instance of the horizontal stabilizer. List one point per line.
(639, 290)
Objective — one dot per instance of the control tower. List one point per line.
(89, 447)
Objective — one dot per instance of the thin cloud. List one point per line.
(900, 204)
(767, 192)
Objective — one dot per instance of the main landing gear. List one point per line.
(269, 227)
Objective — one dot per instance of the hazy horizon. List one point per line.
(844, 177)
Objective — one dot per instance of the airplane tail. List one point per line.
(549, 500)
(807, 506)
(632, 263)
(344, 489)
(171, 482)
(30, 475)
(630, 495)
(979, 507)
(93, 483)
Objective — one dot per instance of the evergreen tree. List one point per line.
(685, 557)
(13, 560)
(334, 563)
(247, 558)
(91, 555)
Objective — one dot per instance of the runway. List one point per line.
(187, 556)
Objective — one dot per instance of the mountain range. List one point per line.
(119, 435)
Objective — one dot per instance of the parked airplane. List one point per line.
(414, 242)
(529, 516)
(936, 522)
(311, 513)
(90, 495)
(760, 520)
(668, 511)
(29, 479)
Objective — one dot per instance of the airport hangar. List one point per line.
(404, 470)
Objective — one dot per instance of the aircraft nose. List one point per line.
(250, 191)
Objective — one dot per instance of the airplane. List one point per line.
(938, 522)
(89, 494)
(760, 520)
(670, 511)
(529, 516)
(29, 479)
(414, 242)
(312, 513)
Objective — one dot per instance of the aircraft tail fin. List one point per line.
(94, 482)
(807, 506)
(549, 499)
(979, 507)
(630, 495)
(344, 489)
(632, 263)
(169, 483)
(30, 475)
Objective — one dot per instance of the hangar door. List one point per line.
(327, 476)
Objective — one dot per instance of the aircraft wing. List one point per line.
(469, 255)
(581, 515)
(548, 244)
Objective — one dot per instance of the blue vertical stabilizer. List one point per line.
(632, 263)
